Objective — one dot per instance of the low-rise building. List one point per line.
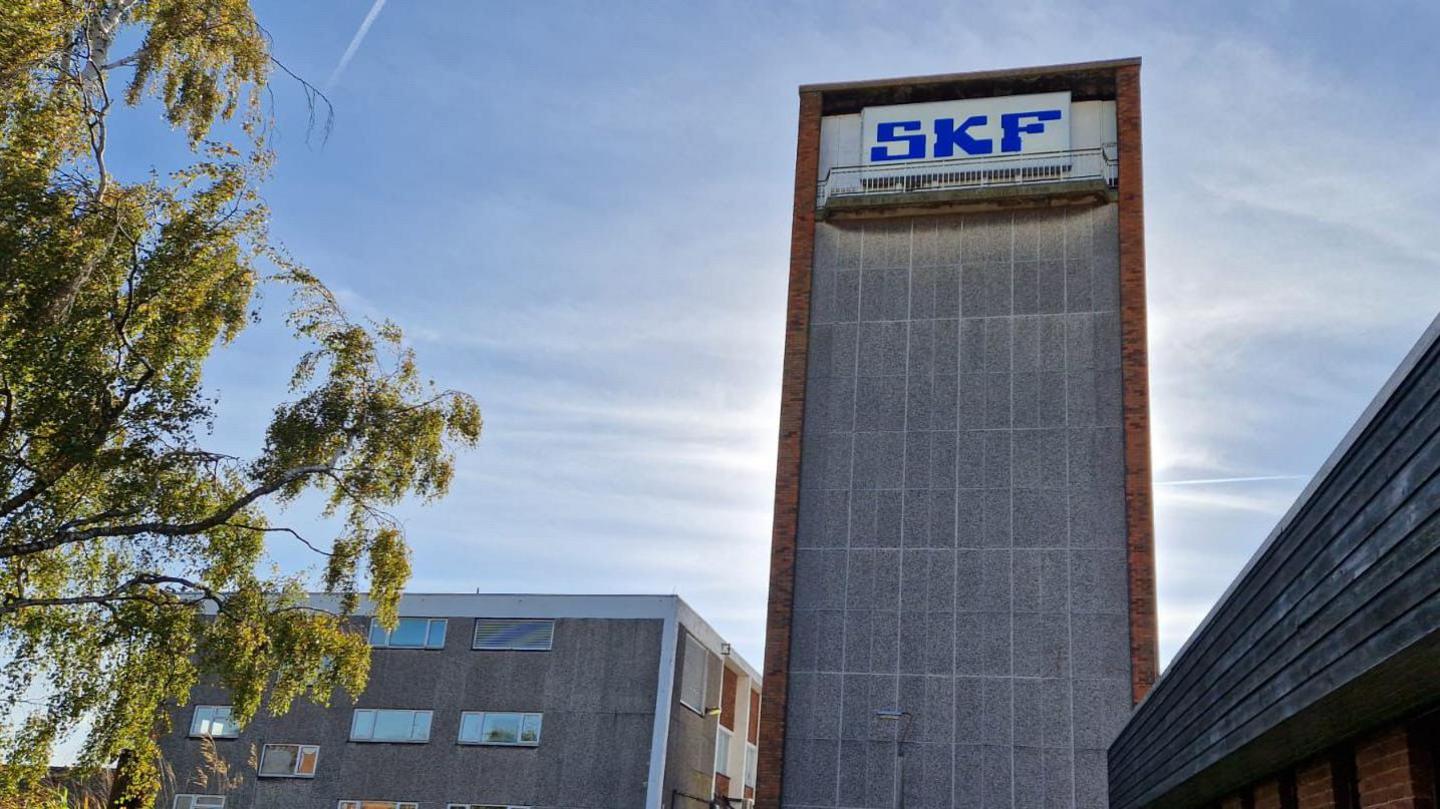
(1315, 682)
(484, 701)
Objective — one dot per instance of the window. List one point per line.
(213, 721)
(1429, 732)
(378, 805)
(1344, 783)
(390, 726)
(506, 634)
(1289, 796)
(751, 754)
(289, 760)
(722, 751)
(198, 802)
(692, 675)
(490, 727)
(409, 633)
(484, 806)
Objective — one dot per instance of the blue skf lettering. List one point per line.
(1011, 127)
(948, 136)
(889, 132)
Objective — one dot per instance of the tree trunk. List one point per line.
(120, 784)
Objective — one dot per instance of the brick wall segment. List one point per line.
(752, 733)
(1267, 794)
(1395, 770)
(729, 684)
(1135, 374)
(1315, 785)
(787, 471)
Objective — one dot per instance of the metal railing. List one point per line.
(1098, 163)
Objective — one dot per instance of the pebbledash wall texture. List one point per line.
(962, 522)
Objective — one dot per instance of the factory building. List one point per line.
(1314, 683)
(962, 600)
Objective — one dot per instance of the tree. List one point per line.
(133, 559)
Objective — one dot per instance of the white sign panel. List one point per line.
(976, 127)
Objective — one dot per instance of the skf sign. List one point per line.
(979, 127)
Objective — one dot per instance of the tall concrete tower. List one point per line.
(962, 599)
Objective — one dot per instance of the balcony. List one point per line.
(969, 181)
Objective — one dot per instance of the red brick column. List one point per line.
(1395, 771)
(1267, 794)
(1315, 785)
(1135, 380)
(769, 770)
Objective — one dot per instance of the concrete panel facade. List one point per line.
(690, 760)
(595, 687)
(614, 735)
(961, 550)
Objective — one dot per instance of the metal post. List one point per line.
(896, 715)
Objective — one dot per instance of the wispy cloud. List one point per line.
(614, 293)
(355, 43)
(1215, 481)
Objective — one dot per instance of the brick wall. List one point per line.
(1267, 794)
(1393, 768)
(1315, 786)
(1135, 375)
(787, 472)
(752, 733)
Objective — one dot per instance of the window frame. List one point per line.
(299, 757)
(729, 736)
(229, 722)
(425, 645)
(414, 712)
(475, 636)
(175, 802)
(752, 763)
(524, 717)
(704, 658)
(486, 806)
(359, 803)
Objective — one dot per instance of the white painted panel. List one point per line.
(1107, 122)
(974, 127)
(839, 142)
(1092, 124)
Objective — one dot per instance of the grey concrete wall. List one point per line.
(596, 688)
(961, 547)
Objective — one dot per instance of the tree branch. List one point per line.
(291, 531)
(120, 592)
(9, 407)
(124, 61)
(312, 93)
(110, 413)
(71, 536)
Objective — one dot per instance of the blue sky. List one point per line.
(580, 213)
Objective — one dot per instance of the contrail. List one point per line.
(1203, 481)
(355, 42)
